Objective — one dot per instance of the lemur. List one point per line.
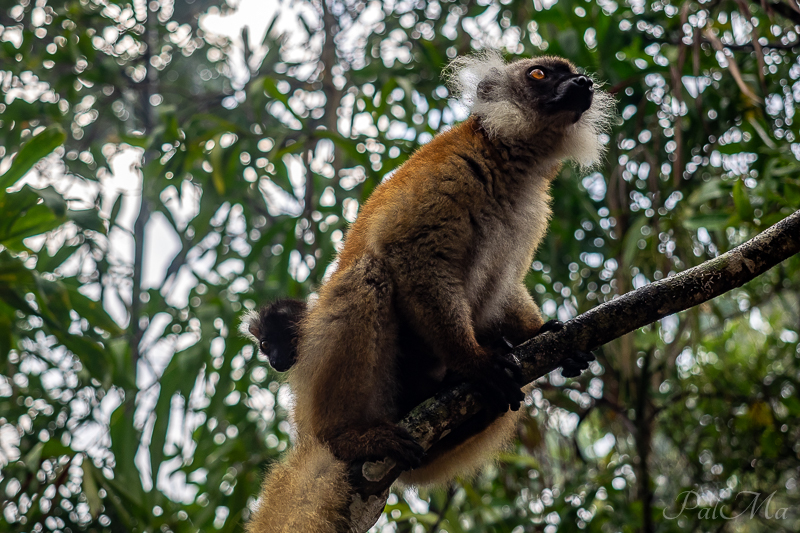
(429, 288)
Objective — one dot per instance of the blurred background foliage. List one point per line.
(167, 165)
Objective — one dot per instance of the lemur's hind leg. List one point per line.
(344, 381)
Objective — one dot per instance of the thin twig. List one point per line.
(733, 67)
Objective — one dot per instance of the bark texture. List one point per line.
(437, 416)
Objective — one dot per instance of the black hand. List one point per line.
(551, 325)
(573, 365)
(500, 386)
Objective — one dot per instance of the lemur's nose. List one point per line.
(582, 81)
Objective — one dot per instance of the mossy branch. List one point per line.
(439, 415)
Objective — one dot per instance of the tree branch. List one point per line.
(439, 415)
(788, 10)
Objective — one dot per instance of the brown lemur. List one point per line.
(429, 289)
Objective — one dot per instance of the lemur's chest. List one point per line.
(503, 252)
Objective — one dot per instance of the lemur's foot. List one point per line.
(377, 443)
(500, 384)
(573, 365)
(576, 362)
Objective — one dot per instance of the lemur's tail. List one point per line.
(307, 491)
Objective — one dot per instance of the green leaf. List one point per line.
(47, 263)
(137, 140)
(90, 487)
(173, 381)
(712, 222)
(92, 311)
(632, 236)
(742, 201)
(112, 218)
(124, 444)
(34, 221)
(215, 158)
(54, 448)
(33, 457)
(88, 219)
(708, 191)
(30, 154)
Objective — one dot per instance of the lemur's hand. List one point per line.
(576, 362)
(573, 365)
(499, 383)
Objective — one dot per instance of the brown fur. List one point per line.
(304, 492)
(466, 458)
(440, 249)
(430, 281)
(431, 276)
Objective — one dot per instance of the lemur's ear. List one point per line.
(248, 327)
(489, 84)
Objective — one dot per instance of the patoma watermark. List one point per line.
(759, 506)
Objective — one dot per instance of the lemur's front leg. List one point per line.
(523, 321)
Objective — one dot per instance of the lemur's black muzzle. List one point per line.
(574, 94)
(578, 93)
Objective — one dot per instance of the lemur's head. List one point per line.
(274, 329)
(542, 100)
(547, 86)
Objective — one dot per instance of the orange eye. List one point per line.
(537, 74)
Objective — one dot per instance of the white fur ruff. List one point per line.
(583, 142)
(463, 74)
(244, 326)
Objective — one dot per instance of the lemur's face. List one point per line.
(532, 96)
(275, 349)
(275, 329)
(553, 88)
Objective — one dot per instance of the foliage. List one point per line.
(128, 402)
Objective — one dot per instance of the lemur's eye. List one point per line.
(537, 74)
(264, 347)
